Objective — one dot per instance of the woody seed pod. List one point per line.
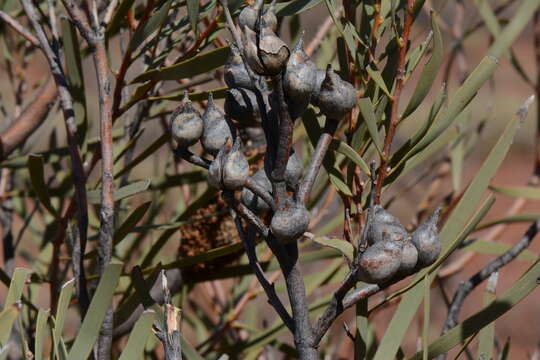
(380, 262)
(235, 73)
(273, 53)
(269, 17)
(290, 221)
(300, 80)
(216, 129)
(249, 15)
(336, 97)
(235, 168)
(186, 123)
(249, 40)
(241, 105)
(294, 170)
(409, 258)
(252, 201)
(427, 242)
(319, 78)
(230, 169)
(383, 225)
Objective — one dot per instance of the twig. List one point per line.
(66, 103)
(248, 238)
(29, 120)
(19, 28)
(316, 160)
(394, 117)
(170, 336)
(261, 192)
(187, 155)
(466, 287)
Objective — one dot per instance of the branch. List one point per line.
(29, 120)
(394, 117)
(249, 244)
(19, 28)
(317, 159)
(79, 179)
(466, 287)
(187, 155)
(261, 192)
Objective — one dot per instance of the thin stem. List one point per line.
(261, 192)
(249, 244)
(317, 159)
(19, 28)
(188, 156)
(394, 117)
(79, 178)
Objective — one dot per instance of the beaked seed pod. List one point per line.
(319, 78)
(383, 225)
(272, 51)
(186, 123)
(249, 15)
(230, 168)
(269, 17)
(294, 170)
(300, 80)
(249, 39)
(235, 168)
(427, 242)
(380, 262)
(409, 258)
(235, 73)
(336, 97)
(216, 129)
(252, 201)
(241, 105)
(290, 221)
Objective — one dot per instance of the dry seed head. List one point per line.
(290, 221)
(383, 225)
(409, 258)
(273, 53)
(294, 170)
(235, 73)
(427, 241)
(241, 105)
(252, 201)
(249, 15)
(216, 129)
(235, 168)
(380, 262)
(336, 97)
(186, 123)
(249, 40)
(300, 80)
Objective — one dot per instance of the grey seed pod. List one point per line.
(383, 225)
(336, 97)
(186, 123)
(269, 17)
(319, 78)
(290, 220)
(235, 73)
(300, 80)
(249, 39)
(216, 129)
(409, 258)
(235, 168)
(249, 15)
(273, 53)
(380, 262)
(215, 171)
(241, 105)
(252, 201)
(294, 170)
(427, 242)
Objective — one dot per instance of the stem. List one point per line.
(317, 159)
(394, 117)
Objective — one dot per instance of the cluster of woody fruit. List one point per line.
(263, 56)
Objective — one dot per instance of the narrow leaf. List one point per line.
(61, 312)
(526, 192)
(350, 153)
(154, 23)
(344, 247)
(139, 335)
(91, 326)
(368, 113)
(199, 64)
(193, 13)
(37, 178)
(377, 77)
(41, 333)
(94, 196)
(429, 73)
